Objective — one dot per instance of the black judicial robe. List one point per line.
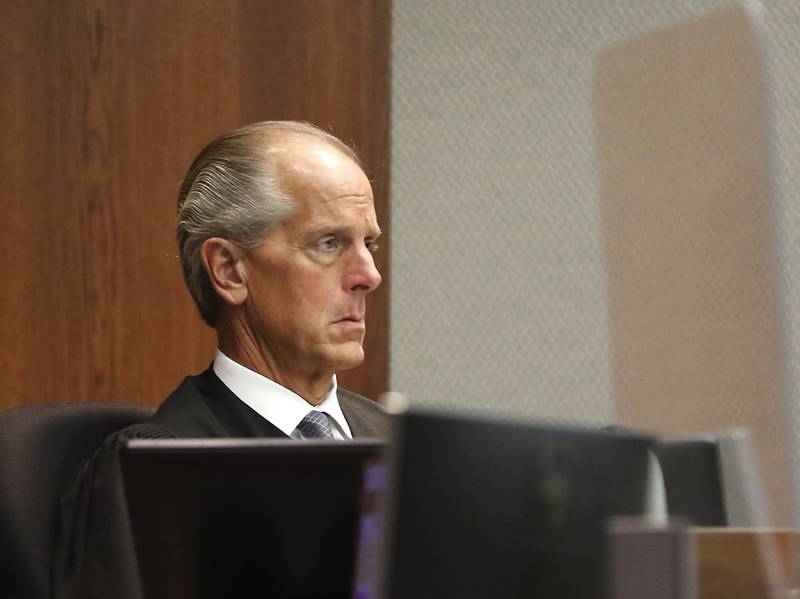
(94, 556)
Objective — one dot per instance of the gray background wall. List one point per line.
(498, 301)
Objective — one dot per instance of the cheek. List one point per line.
(311, 297)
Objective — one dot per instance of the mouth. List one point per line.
(351, 320)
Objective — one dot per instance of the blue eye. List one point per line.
(327, 244)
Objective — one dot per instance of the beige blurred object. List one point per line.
(393, 402)
(695, 312)
(649, 560)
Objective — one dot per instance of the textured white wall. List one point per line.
(498, 281)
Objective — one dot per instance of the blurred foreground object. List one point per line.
(680, 562)
(695, 313)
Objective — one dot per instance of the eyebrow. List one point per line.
(323, 230)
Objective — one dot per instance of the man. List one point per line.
(276, 230)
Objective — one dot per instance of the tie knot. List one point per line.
(315, 425)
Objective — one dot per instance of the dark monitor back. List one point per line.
(692, 479)
(487, 509)
(236, 518)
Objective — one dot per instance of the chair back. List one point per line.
(41, 447)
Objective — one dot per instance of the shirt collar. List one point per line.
(282, 407)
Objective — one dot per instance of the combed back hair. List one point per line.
(232, 191)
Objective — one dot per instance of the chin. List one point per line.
(349, 357)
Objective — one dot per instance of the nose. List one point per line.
(362, 274)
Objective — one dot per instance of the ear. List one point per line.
(222, 261)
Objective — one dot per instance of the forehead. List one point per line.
(322, 181)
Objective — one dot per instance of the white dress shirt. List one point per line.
(282, 407)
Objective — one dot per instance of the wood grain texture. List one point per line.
(746, 563)
(105, 105)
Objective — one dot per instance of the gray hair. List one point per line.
(232, 191)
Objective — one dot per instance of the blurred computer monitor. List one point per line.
(475, 508)
(242, 518)
(692, 479)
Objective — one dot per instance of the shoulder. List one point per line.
(365, 417)
(186, 412)
(202, 407)
(345, 395)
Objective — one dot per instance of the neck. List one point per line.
(240, 345)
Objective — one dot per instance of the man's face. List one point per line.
(307, 283)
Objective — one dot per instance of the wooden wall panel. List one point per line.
(105, 105)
